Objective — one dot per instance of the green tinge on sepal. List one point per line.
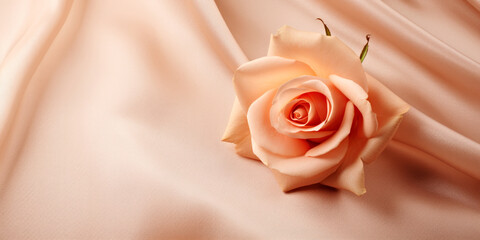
(365, 49)
(327, 31)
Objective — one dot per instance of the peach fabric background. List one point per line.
(111, 114)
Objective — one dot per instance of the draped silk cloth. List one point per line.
(111, 114)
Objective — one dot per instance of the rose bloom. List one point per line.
(310, 113)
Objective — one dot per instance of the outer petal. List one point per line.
(349, 176)
(324, 54)
(254, 78)
(237, 132)
(390, 110)
(244, 148)
(302, 166)
(287, 182)
(359, 98)
(292, 173)
(266, 136)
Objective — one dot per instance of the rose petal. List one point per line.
(301, 171)
(349, 176)
(359, 98)
(324, 54)
(390, 110)
(254, 78)
(266, 136)
(287, 182)
(237, 132)
(319, 108)
(244, 148)
(302, 166)
(337, 138)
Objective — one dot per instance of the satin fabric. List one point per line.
(111, 114)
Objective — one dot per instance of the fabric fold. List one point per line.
(422, 132)
(21, 62)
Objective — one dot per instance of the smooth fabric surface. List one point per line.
(111, 114)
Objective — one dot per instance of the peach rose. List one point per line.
(310, 113)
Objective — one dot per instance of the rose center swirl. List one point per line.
(308, 109)
(299, 112)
